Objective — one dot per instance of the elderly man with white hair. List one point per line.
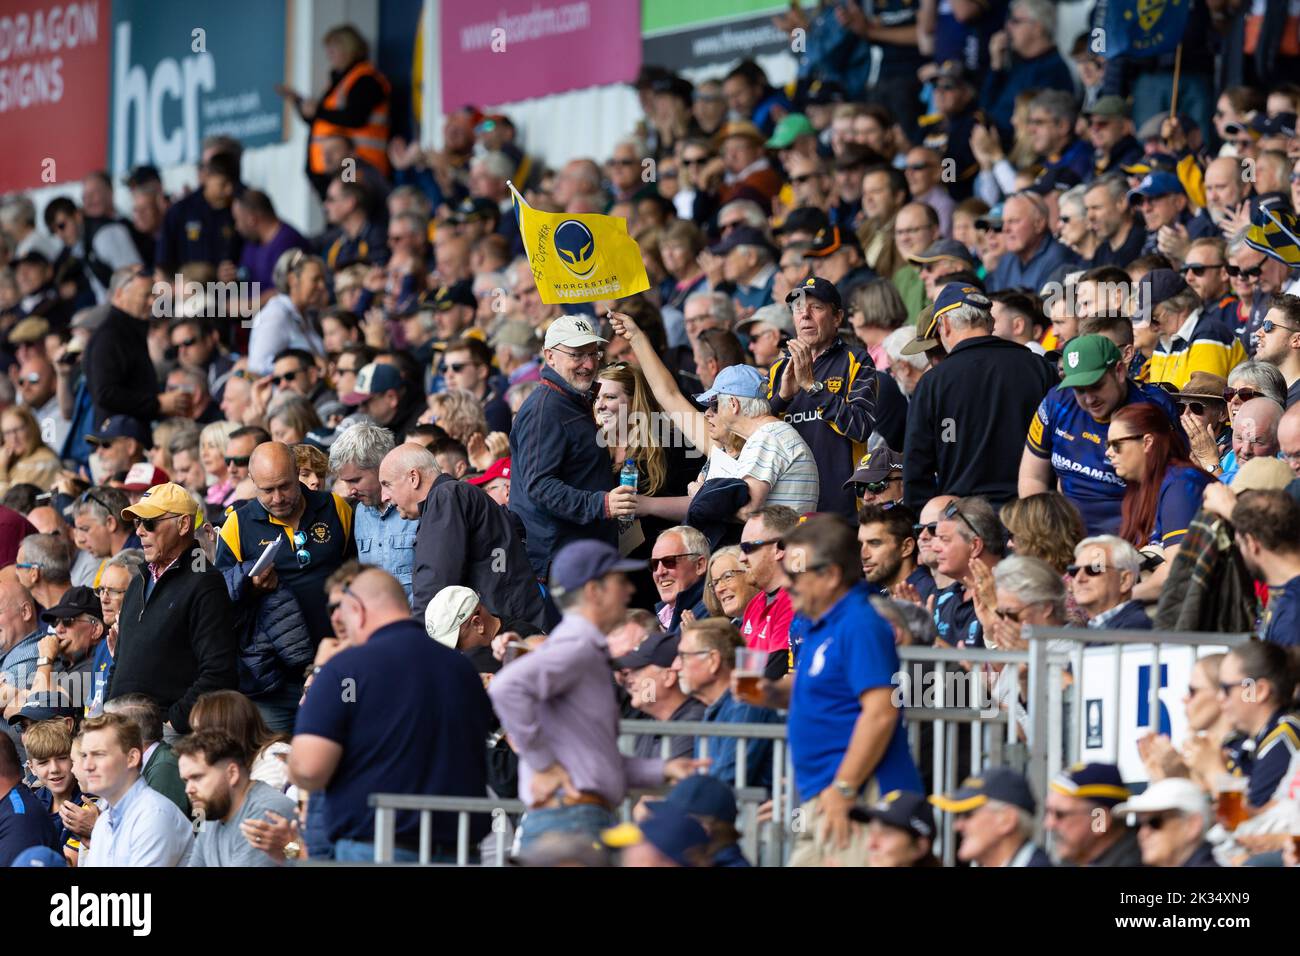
(1173, 816)
(1105, 569)
(1254, 435)
(384, 537)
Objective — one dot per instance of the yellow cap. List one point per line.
(165, 499)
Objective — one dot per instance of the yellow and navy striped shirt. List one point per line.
(1201, 344)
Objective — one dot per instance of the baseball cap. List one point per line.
(1098, 782)
(1086, 359)
(904, 809)
(498, 469)
(373, 379)
(31, 257)
(956, 70)
(515, 332)
(831, 240)
(39, 856)
(1156, 287)
(165, 499)
(791, 127)
(44, 705)
(955, 294)
(1171, 793)
(29, 330)
(991, 220)
(1279, 124)
(474, 209)
(927, 336)
(450, 608)
(1156, 184)
(572, 331)
(672, 832)
(701, 795)
(444, 297)
(998, 783)
(1262, 474)
(741, 236)
(1059, 178)
(120, 426)
(815, 287)
(742, 381)
(875, 466)
(777, 315)
(581, 561)
(1111, 106)
(75, 601)
(803, 219)
(1151, 128)
(1152, 162)
(944, 249)
(657, 649)
(142, 476)
(822, 93)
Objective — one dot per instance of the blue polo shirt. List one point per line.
(327, 524)
(1179, 500)
(1282, 617)
(846, 652)
(412, 717)
(24, 823)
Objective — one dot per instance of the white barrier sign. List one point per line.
(1116, 712)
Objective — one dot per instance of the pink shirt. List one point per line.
(766, 624)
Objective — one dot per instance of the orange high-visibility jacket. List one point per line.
(371, 140)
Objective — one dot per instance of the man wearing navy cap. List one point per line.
(1163, 202)
(963, 423)
(827, 390)
(559, 708)
(900, 830)
(749, 265)
(655, 691)
(994, 814)
(121, 441)
(712, 804)
(1079, 814)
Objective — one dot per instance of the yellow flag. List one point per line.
(579, 257)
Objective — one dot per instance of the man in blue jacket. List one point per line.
(563, 486)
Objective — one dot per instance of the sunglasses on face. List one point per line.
(798, 180)
(185, 343)
(750, 547)
(875, 487)
(151, 524)
(1245, 394)
(238, 462)
(1087, 570)
(920, 529)
(1199, 269)
(695, 162)
(623, 162)
(1252, 273)
(1155, 821)
(669, 561)
(457, 367)
(1196, 408)
(277, 380)
(1113, 444)
(1269, 325)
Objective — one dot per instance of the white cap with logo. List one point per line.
(450, 608)
(572, 331)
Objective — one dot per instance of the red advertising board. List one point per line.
(54, 68)
(512, 50)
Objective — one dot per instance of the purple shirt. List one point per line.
(258, 260)
(558, 705)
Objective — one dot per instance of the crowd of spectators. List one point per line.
(943, 340)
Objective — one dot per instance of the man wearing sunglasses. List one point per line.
(1190, 340)
(1206, 271)
(677, 564)
(467, 364)
(1278, 342)
(1105, 570)
(562, 487)
(198, 345)
(77, 625)
(176, 631)
(294, 372)
(1172, 817)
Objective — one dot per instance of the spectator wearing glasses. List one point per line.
(1205, 270)
(317, 526)
(467, 364)
(769, 613)
(845, 732)
(922, 170)
(563, 488)
(727, 586)
(994, 815)
(1078, 812)
(45, 567)
(1172, 817)
(654, 688)
(1106, 569)
(239, 451)
(1163, 487)
(175, 629)
(67, 654)
(1023, 56)
(677, 564)
(114, 583)
(1278, 342)
(1204, 417)
(295, 372)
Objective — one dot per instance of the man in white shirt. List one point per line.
(141, 827)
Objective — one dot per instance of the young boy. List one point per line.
(49, 757)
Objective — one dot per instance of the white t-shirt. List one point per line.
(775, 453)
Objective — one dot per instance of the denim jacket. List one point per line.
(386, 540)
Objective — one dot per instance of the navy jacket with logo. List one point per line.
(327, 523)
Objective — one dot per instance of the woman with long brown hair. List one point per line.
(233, 713)
(1164, 486)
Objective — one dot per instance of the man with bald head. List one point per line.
(464, 537)
(1288, 438)
(20, 632)
(395, 712)
(1254, 434)
(314, 529)
(1033, 256)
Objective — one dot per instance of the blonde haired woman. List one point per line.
(24, 457)
(212, 453)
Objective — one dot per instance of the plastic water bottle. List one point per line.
(627, 478)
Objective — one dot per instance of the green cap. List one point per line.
(1086, 359)
(1112, 106)
(791, 127)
